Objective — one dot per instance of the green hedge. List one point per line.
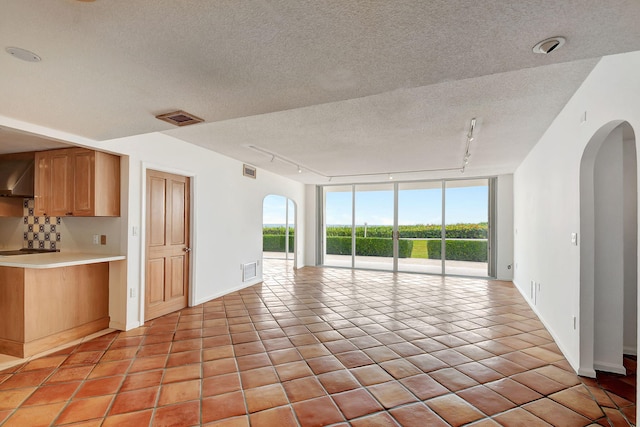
(459, 250)
(371, 246)
(276, 243)
(430, 231)
(277, 230)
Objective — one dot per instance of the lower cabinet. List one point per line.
(41, 309)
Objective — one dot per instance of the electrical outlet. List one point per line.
(134, 231)
(103, 239)
(96, 239)
(132, 292)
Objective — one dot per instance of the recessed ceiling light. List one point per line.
(549, 45)
(23, 54)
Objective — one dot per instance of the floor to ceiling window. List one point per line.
(437, 227)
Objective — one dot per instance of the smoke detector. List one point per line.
(180, 118)
(549, 45)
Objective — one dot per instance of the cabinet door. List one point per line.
(42, 190)
(61, 195)
(84, 183)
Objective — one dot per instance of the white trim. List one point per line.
(226, 292)
(630, 350)
(610, 367)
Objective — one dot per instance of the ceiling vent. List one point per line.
(180, 118)
(549, 45)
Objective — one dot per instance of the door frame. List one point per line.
(143, 232)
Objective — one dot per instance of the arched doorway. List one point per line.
(608, 250)
(279, 228)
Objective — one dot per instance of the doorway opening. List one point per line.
(279, 228)
(608, 251)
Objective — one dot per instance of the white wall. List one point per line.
(311, 210)
(630, 297)
(609, 254)
(547, 195)
(504, 225)
(11, 230)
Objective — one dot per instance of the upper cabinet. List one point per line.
(77, 182)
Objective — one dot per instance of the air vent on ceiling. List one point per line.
(180, 118)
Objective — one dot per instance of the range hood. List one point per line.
(17, 173)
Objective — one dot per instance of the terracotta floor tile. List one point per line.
(68, 374)
(502, 365)
(265, 397)
(317, 412)
(220, 384)
(278, 357)
(518, 417)
(142, 380)
(135, 400)
(179, 392)
(451, 357)
(524, 360)
(356, 403)
(182, 414)
(44, 362)
(258, 377)
(538, 382)
(99, 387)
(313, 350)
(222, 406)
(320, 365)
(293, 370)
(381, 354)
(380, 419)
(400, 368)
(559, 375)
(183, 373)
(424, 387)
(85, 409)
(142, 418)
(474, 352)
(148, 363)
(454, 410)
(130, 352)
(338, 381)
(514, 391)
(42, 396)
(280, 417)
(405, 349)
(339, 346)
(108, 369)
(10, 399)
(391, 394)
(486, 400)
(417, 415)
(27, 379)
(555, 413)
(84, 358)
(428, 362)
(371, 374)
(303, 389)
(479, 372)
(35, 416)
(252, 361)
(219, 366)
(184, 358)
(453, 379)
(353, 359)
(579, 402)
(215, 353)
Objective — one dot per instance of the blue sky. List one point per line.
(423, 206)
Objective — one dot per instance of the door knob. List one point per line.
(187, 249)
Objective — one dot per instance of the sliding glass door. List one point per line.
(437, 227)
(420, 227)
(374, 226)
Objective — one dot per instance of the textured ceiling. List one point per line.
(342, 87)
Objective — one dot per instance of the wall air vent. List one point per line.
(249, 271)
(180, 118)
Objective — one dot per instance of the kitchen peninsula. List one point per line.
(49, 299)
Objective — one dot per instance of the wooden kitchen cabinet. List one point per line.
(43, 308)
(77, 182)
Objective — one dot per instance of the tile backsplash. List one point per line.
(40, 232)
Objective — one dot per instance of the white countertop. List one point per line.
(56, 259)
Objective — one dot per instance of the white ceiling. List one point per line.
(340, 87)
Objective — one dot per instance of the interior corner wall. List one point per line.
(311, 210)
(630, 232)
(547, 196)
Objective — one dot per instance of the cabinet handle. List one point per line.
(69, 213)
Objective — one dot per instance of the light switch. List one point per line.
(574, 239)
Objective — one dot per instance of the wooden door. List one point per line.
(167, 243)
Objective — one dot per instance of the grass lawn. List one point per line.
(419, 249)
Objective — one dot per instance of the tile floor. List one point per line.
(324, 347)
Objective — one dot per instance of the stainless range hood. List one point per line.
(17, 172)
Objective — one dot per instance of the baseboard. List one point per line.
(589, 373)
(118, 325)
(610, 367)
(225, 292)
(631, 351)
